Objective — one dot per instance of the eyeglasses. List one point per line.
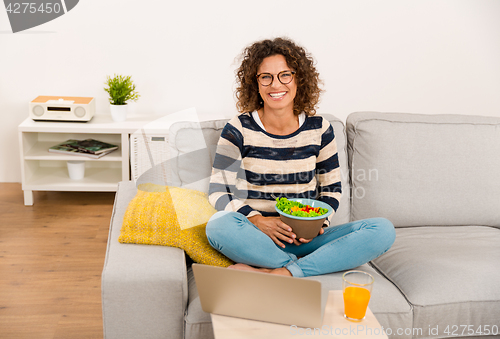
(285, 77)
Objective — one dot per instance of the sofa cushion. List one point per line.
(389, 306)
(449, 274)
(198, 323)
(417, 169)
(171, 216)
(387, 303)
(343, 213)
(192, 150)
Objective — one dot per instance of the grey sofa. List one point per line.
(436, 177)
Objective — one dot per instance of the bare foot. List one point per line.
(281, 271)
(245, 267)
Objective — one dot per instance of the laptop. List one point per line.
(259, 296)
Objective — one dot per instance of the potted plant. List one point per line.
(120, 89)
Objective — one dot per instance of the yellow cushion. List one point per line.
(171, 216)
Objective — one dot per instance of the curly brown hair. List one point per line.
(306, 77)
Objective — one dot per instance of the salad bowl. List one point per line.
(304, 227)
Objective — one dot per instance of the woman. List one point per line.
(276, 146)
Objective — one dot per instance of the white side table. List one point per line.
(334, 325)
(42, 170)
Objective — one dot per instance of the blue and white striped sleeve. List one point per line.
(227, 163)
(328, 169)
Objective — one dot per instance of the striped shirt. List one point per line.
(251, 165)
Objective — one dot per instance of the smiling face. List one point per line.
(277, 96)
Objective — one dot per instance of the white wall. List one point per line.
(421, 56)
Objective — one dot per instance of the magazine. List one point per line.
(89, 147)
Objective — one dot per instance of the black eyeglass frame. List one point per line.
(277, 75)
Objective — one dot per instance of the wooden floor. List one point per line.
(51, 259)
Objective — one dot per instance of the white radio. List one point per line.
(62, 108)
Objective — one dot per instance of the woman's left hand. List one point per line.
(305, 241)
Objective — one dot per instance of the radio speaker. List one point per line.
(80, 112)
(38, 110)
(54, 108)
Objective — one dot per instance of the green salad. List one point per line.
(297, 209)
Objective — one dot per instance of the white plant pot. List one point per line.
(119, 112)
(76, 169)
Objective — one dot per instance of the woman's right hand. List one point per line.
(274, 228)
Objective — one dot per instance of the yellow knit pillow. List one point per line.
(171, 216)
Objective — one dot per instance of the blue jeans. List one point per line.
(339, 248)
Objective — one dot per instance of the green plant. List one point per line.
(120, 89)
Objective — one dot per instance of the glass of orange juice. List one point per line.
(357, 288)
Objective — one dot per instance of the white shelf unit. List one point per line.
(42, 170)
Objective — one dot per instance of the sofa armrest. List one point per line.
(144, 288)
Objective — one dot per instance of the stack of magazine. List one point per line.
(89, 148)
